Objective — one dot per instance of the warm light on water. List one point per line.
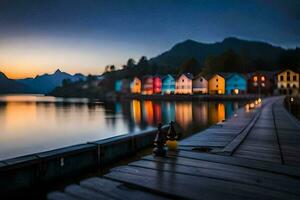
(31, 124)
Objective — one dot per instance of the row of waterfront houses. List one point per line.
(260, 82)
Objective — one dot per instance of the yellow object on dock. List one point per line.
(172, 144)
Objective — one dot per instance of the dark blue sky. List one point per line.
(85, 35)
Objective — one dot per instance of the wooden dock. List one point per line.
(253, 155)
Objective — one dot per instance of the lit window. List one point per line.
(263, 85)
(255, 78)
(262, 78)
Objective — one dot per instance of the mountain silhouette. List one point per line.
(47, 82)
(183, 51)
(8, 85)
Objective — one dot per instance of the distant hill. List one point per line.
(46, 83)
(251, 50)
(11, 86)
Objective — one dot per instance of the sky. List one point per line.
(40, 36)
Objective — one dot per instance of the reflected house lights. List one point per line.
(260, 82)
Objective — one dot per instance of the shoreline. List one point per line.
(194, 97)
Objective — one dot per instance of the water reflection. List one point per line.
(136, 111)
(32, 124)
(216, 112)
(184, 114)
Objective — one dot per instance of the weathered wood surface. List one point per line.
(252, 156)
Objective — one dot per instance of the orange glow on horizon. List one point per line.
(32, 72)
(18, 72)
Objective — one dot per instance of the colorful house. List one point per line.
(147, 85)
(184, 84)
(260, 82)
(200, 85)
(288, 82)
(125, 86)
(157, 84)
(136, 85)
(118, 86)
(168, 84)
(216, 84)
(235, 84)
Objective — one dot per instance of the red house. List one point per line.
(147, 85)
(157, 84)
(261, 82)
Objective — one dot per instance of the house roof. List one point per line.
(136, 77)
(146, 77)
(222, 74)
(188, 75)
(238, 74)
(268, 74)
(280, 71)
(158, 75)
(166, 76)
(200, 76)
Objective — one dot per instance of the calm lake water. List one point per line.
(30, 124)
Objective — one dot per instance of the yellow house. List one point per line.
(288, 82)
(136, 85)
(216, 84)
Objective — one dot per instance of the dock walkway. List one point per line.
(253, 155)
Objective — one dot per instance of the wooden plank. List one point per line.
(263, 159)
(259, 150)
(292, 187)
(258, 154)
(235, 143)
(201, 144)
(83, 193)
(251, 145)
(226, 168)
(254, 164)
(60, 196)
(116, 190)
(191, 187)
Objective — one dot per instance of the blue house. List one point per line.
(235, 84)
(118, 85)
(168, 84)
